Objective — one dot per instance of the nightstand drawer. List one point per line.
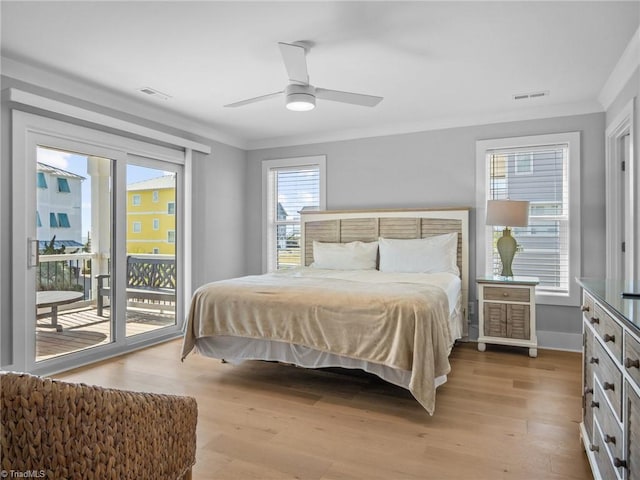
(508, 294)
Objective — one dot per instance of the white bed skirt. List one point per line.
(238, 349)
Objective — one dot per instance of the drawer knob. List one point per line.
(588, 390)
(619, 463)
(609, 338)
(631, 363)
(594, 360)
(594, 448)
(595, 404)
(585, 308)
(609, 386)
(609, 439)
(594, 320)
(505, 294)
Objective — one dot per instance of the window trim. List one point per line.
(572, 139)
(136, 200)
(136, 227)
(156, 224)
(319, 161)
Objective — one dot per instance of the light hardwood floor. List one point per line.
(501, 415)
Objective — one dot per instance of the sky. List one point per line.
(77, 163)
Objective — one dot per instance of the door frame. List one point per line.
(27, 130)
(621, 126)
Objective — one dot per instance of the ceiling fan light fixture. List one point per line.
(301, 102)
(300, 98)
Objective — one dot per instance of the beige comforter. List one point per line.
(400, 325)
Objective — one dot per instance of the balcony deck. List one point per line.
(83, 328)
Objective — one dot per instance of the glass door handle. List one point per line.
(33, 256)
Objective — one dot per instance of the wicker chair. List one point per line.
(74, 431)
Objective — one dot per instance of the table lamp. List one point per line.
(507, 213)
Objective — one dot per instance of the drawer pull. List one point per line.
(594, 320)
(594, 448)
(609, 338)
(619, 463)
(609, 386)
(595, 404)
(609, 439)
(588, 390)
(631, 363)
(594, 360)
(585, 308)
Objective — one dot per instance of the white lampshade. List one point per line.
(508, 213)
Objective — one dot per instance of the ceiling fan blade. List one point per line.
(295, 61)
(253, 100)
(348, 97)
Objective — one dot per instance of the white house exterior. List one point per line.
(59, 210)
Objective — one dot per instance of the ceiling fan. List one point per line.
(300, 95)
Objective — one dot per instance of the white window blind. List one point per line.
(543, 245)
(291, 189)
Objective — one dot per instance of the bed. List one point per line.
(381, 291)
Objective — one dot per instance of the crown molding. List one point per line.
(534, 113)
(627, 64)
(113, 101)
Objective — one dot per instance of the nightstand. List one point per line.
(507, 312)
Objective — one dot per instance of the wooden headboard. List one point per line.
(367, 225)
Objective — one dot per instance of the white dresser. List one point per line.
(610, 427)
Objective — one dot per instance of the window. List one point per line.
(154, 196)
(38, 221)
(543, 170)
(171, 208)
(136, 227)
(156, 250)
(63, 185)
(42, 181)
(171, 236)
(53, 221)
(523, 163)
(291, 185)
(63, 220)
(135, 200)
(156, 224)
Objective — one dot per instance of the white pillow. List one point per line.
(345, 256)
(421, 255)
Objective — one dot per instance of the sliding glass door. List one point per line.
(97, 232)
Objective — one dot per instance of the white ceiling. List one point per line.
(437, 64)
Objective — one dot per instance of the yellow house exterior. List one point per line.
(151, 219)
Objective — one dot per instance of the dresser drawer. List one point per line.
(608, 330)
(505, 293)
(609, 376)
(587, 304)
(609, 425)
(632, 357)
(599, 449)
(587, 395)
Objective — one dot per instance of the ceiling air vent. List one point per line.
(154, 93)
(526, 96)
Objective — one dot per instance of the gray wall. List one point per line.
(218, 196)
(437, 168)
